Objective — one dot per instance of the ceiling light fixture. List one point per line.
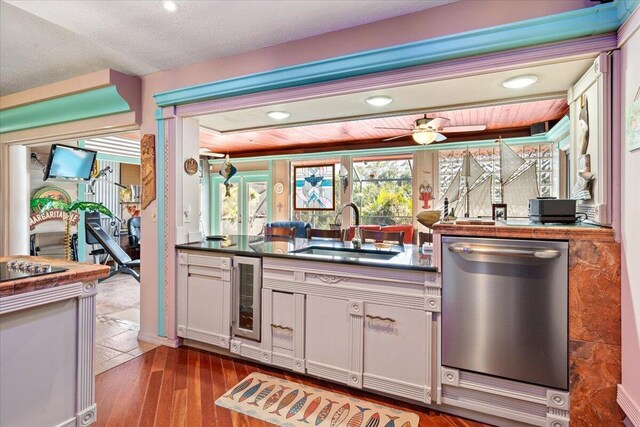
(379, 100)
(425, 137)
(170, 6)
(520, 81)
(278, 115)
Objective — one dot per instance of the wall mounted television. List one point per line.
(69, 163)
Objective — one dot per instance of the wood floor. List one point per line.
(178, 387)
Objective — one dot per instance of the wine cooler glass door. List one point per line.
(247, 288)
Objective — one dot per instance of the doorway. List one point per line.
(244, 208)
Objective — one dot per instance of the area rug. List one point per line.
(286, 403)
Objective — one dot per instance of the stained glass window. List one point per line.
(314, 187)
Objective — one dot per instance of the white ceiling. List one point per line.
(43, 42)
(553, 81)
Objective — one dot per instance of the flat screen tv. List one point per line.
(69, 163)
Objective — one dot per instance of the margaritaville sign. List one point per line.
(51, 215)
(56, 193)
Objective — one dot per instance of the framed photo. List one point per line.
(499, 211)
(314, 188)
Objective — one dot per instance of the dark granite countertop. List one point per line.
(407, 257)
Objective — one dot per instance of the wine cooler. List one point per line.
(247, 301)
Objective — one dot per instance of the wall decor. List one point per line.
(499, 211)
(278, 188)
(191, 166)
(314, 188)
(148, 169)
(51, 192)
(633, 123)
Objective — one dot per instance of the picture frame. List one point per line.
(499, 211)
(314, 187)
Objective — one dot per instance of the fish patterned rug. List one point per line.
(290, 404)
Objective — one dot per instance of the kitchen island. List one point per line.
(46, 342)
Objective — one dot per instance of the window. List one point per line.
(382, 190)
(489, 158)
(321, 219)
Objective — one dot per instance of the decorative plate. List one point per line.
(278, 188)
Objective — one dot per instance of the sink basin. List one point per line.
(347, 253)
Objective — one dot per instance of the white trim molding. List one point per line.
(630, 407)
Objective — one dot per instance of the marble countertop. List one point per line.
(408, 257)
(525, 229)
(76, 272)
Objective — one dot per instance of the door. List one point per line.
(397, 351)
(331, 350)
(245, 210)
(247, 297)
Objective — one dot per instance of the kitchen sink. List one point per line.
(347, 253)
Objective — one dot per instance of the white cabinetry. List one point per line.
(365, 327)
(204, 298)
(283, 329)
(397, 351)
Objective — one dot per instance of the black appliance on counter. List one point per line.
(546, 209)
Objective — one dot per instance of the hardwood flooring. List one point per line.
(178, 387)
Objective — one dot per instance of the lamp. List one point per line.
(425, 137)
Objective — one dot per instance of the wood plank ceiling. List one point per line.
(507, 120)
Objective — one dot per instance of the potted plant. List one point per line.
(45, 204)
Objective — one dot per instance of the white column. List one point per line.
(18, 206)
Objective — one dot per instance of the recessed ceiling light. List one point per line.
(379, 100)
(520, 81)
(170, 6)
(278, 115)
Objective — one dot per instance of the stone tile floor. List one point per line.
(118, 323)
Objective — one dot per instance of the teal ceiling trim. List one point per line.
(79, 106)
(589, 21)
(626, 8)
(560, 130)
(119, 159)
(524, 140)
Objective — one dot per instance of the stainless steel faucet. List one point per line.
(356, 242)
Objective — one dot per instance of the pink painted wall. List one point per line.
(630, 229)
(457, 17)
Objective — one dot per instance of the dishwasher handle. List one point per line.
(467, 249)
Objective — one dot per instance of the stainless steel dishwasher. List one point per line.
(505, 308)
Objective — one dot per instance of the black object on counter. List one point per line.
(546, 210)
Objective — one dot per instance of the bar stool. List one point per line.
(324, 234)
(283, 232)
(395, 237)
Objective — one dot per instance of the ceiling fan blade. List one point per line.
(396, 137)
(467, 128)
(438, 122)
(393, 128)
(211, 154)
(440, 137)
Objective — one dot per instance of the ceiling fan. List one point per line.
(427, 130)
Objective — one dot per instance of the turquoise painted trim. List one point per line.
(79, 106)
(243, 178)
(589, 21)
(119, 159)
(82, 243)
(564, 143)
(537, 139)
(160, 190)
(626, 8)
(560, 130)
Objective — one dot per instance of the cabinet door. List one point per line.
(283, 329)
(334, 339)
(204, 302)
(397, 351)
